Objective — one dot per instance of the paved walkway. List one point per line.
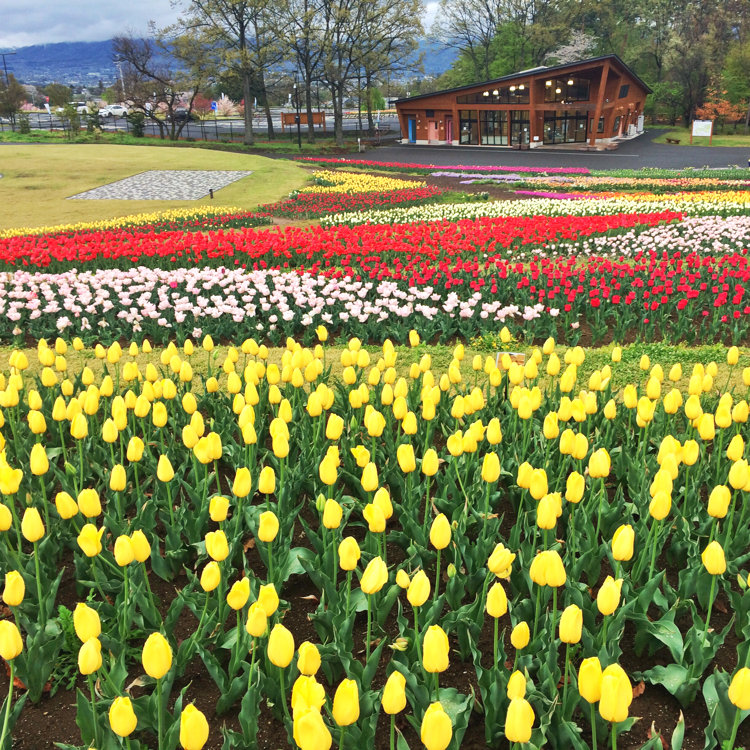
(163, 185)
(638, 153)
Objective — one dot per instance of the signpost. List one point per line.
(702, 129)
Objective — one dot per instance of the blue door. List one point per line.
(412, 130)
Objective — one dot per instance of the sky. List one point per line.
(23, 23)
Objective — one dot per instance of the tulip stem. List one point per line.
(160, 711)
(572, 525)
(426, 508)
(348, 591)
(657, 527)
(416, 633)
(93, 711)
(728, 746)
(42, 608)
(494, 644)
(252, 664)
(536, 610)
(730, 521)
(283, 695)
(9, 699)
(594, 744)
(437, 686)
(44, 498)
(437, 578)
(270, 562)
(369, 626)
(393, 732)
(341, 737)
(565, 677)
(710, 606)
(599, 510)
(605, 625)
(123, 621)
(148, 586)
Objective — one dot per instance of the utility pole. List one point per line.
(5, 66)
(297, 112)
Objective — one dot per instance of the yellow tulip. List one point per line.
(622, 543)
(280, 646)
(394, 694)
(156, 656)
(374, 577)
(308, 658)
(11, 644)
(739, 689)
(268, 599)
(713, 559)
(194, 728)
(218, 508)
(268, 526)
(122, 718)
(346, 703)
(66, 506)
(216, 545)
(616, 694)
(440, 532)
(239, 594)
(123, 551)
(90, 656)
(89, 503)
(257, 620)
(590, 679)
(349, 553)
(418, 591)
(571, 624)
(141, 546)
(435, 650)
(15, 588)
(436, 730)
(608, 598)
(211, 576)
(32, 527)
(497, 600)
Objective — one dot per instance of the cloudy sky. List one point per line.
(23, 23)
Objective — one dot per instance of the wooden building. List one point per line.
(591, 101)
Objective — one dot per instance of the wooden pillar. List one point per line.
(532, 110)
(599, 103)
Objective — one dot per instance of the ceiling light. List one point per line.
(548, 83)
(512, 88)
(495, 92)
(486, 93)
(558, 91)
(521, 87)
(570, 81)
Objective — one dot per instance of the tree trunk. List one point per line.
(368, 103)
(247, 94)
(309, 108)
(266, 106)
(338, 112)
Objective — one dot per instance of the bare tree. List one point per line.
(243, 35)
(161, 74)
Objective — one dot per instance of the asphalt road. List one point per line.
(638, 153)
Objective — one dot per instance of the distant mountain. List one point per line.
(85, 63)
(437, 59)
(67, 62)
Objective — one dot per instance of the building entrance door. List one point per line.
(432, 130)
(412, 130)
(449, 129)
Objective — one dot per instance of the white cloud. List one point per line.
(47, 21)
(431, 11)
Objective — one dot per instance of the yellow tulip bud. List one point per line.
(32, 527)
(280, 646)
(349, 553)
(436, 730)
(419, 588)
(346, 703)
(394, 694)
(15, 588)
(268, 526)
(194, 728)
(239, 594)
(122, 718)
(211, 576)
(435, 650)
(713, 559)
(90, 656)
(520, 636)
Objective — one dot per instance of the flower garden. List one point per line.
(445, 475)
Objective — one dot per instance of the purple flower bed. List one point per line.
(560, 196)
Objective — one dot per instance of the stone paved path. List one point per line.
(163, 185)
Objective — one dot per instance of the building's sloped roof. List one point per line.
(524, 73)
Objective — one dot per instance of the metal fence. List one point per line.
(227, 130)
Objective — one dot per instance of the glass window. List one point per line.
(513, 94)
(566, 90)
(624, 90)
(616, 126)
(565, 127)
(469, 125)
(494, 127)
(519, 126)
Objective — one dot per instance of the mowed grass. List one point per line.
(738, 139)
(37, 180)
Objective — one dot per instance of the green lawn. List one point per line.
(37, 180)
(720, 139)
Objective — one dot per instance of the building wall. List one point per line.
(435, 116)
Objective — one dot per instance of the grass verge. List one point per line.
(37, 181)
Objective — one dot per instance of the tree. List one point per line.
(161, 74)
(12, 96)
(720, 109)
(736, 77)
(242, 35)
(58, 94)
